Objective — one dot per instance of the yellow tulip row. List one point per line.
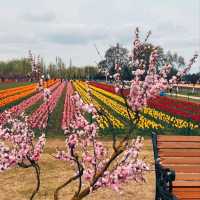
(143, 123)
(102, 121)
(86, 99)
(171, 120)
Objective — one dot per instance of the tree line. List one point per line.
(22, 69)
(120, 55)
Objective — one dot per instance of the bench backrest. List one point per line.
(181, 153)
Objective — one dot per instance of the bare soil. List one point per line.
(17, 184)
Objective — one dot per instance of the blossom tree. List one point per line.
(149, 79)
(18, 149)
(95, 165)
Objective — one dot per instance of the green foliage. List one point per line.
(4, 86)
(192, 78)
(15, 68)
(55, 118)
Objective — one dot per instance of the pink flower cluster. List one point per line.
(94, 155)
(144, 88)
(21, 107)
(69, 107)
(39, 117)
(147, 81)
(17, 146)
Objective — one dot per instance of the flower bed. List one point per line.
(69, 108)
(39, 117)
(18, 109)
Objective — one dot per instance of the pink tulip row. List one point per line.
(21, 107)
(69, 107)
(39, 117)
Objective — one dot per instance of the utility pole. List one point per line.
(70, 68)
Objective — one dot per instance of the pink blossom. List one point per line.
(21, 139)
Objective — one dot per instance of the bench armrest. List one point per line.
(164, 179)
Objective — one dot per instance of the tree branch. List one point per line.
(37, 171)
(78, 176)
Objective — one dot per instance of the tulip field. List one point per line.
(163, 114)
(55, 116)
(91, 108)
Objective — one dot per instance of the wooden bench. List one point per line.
(177, 166)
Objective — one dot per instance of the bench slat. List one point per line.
(187, 184)
(187, 177)
(184, 168)
(189, 199)
(178, 145)
(187, 195)
(186, 189)
(179, 153)
(175, 138)
(180, 160)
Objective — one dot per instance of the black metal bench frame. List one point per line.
(164, 176)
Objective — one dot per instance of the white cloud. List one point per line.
(39, 17)
(70, 28)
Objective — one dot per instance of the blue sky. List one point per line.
(70, 28)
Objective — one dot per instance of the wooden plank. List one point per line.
(178, 145)
(187, 177)
(184, 168)
(178, 138)
(187, 195)
(186, 189)
(187, 184)
(188, 199)
(180, 160)
(179, 153)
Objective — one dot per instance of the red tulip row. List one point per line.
(188, 110)
(21, 107)
(39, 117)
(109, 88)
(69, 108)
(176, 107)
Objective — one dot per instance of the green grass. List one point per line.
(4, 86)
(34, 107)
(54, 129)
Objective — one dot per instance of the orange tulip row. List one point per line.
(12, 91)
(24, 91)
(13, 98)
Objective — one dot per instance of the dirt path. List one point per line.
(16, 184)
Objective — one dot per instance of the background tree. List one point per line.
(16, 68)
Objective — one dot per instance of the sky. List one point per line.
(71, 28)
